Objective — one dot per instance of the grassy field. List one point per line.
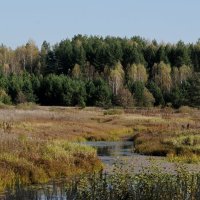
(36, 142)
(171, 133)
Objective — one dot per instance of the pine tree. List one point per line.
(193, 91)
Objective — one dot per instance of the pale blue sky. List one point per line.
(54, 20)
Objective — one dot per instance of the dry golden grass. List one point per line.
(92, 124)
(160, 133)
(64, 123)
(25, 130)
(75, 123)
(36, 143)
(34, 160)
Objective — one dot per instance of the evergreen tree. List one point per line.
(193, 91)
(156, 92)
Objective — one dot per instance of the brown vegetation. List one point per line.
(35, 142)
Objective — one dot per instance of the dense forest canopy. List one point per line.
(97, 71)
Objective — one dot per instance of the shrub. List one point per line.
(186, 109)
(4, 97)
(113, 112)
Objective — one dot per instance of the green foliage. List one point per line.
(156, 92)
(113, 112)
(62, 90)
(98, 93)
(20, 88)
(120, 62)
(193, 91)
(121, 185)
(177, 97)
(4, 82)
(137, 89)
(180, 55)
(148, 99)
(4, 98)
(142, 95)
(31, 161)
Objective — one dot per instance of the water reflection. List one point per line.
(113, 148)
(51, 191)
(107, 152)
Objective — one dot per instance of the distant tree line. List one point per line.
(97, 71)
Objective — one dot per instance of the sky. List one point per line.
(55, 20)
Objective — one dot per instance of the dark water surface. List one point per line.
(108, 152)
(111, 153)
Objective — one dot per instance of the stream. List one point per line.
(122, 154)
(111, 154)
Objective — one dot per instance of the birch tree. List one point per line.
(116, 78)
(162, 76)
(137, 72)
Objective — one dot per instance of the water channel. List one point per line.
(111, 154)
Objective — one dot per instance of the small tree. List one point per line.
(185, 72)
(4, 97)
(142, 95)
(102, 94)
(148, 99)
(193, 91)
(124, 98)
(76, 71)
(21, 98)
(162, 76)
(137, 73)
(156, 92)
(177, 97)
(116, 78)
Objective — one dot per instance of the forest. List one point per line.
(101, 71)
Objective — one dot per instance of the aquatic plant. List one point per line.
(118, 185)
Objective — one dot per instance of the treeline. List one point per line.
(96, 71)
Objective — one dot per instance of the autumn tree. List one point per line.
(185, 73)
(137, 72)
(76, 71)
(32, 56)
(142, 95)
(162, 76)
(124, 98)
(179, 75)
(21, 55)
(116, 78)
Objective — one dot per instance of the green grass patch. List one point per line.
(114, 112)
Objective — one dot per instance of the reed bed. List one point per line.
(117, 185)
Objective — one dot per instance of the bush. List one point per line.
(4, 97)
(113, 112)
(27, 106)
(186, 109)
